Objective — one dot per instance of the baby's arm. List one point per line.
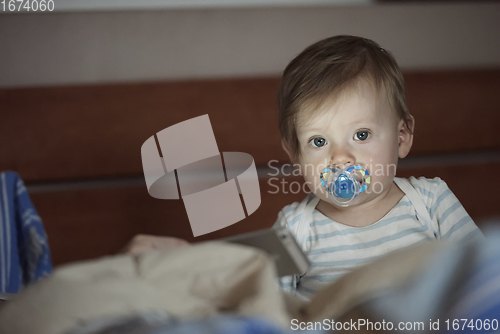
(287, 283)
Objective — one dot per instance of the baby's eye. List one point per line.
(361, 135)
(318, 142)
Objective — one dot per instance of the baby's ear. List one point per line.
(405, 136)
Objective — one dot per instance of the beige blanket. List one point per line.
(193, 282)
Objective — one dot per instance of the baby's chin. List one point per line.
(334, 205)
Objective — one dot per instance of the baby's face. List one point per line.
(359, 127)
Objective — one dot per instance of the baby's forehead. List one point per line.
(351, 108)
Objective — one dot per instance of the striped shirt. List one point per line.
(428, 211)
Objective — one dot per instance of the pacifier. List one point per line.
(343, 186)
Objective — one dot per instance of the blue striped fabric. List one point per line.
(458, 290)
(335, 249)
(480, 293)
(24, 252)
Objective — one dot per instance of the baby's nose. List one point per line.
(342, 158)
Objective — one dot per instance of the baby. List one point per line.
(344, 121)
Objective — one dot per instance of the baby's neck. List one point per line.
(364, 214)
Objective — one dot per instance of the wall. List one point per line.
(97, 47)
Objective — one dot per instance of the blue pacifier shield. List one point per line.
(344, 186)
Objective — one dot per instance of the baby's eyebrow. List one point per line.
(307, 130)
(366, 120)
(309, 133)
(310, 128)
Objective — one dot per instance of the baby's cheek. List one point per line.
(310, 182)
(381, 176)
(314, 185)
(381, 179)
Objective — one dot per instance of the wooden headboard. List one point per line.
(78, 150)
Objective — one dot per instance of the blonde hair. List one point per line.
(329, 67)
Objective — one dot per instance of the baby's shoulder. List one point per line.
(428, 189)
(292, 212)
(424, 184)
